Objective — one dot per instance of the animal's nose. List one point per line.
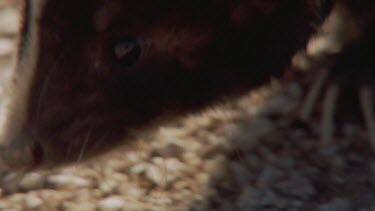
(20, 153)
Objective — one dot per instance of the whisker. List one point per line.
(84, 145)
(99, 141)
(69, 150)
(45, 85)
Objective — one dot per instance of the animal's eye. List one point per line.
(127, 51)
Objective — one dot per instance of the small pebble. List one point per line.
(108, 186)
(131, 190)
(156, 175)
(67, 181)
(32, 181)
(111, 203)
(33, 202)
(170, 150)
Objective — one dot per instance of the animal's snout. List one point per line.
(20, 153)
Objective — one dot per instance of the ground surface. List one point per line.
(241, 156)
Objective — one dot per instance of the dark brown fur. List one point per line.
(82, 102)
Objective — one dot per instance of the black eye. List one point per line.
(127, 51)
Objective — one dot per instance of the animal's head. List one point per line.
(92, 72)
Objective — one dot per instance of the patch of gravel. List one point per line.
(245, 155)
